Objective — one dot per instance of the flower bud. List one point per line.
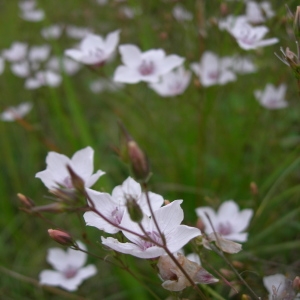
(297, 22)
(253, 188)
(26, 201)
(134, 210)
(61, 237)
(77, 181)
(246, 297)
(55, 207)
(296, 283)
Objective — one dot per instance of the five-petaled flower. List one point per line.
(94, 50)
(113, 206)
(150, 244)
(272, 97)
(69, 268)
(228, 221)
(56, 174)
(147, 66)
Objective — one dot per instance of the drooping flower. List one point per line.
(175, 280)
(272, 97)
(69, 268)
(113, 206)
(173, 83)
(94, 50)
(228, 221)
(169, 218)
(213, 70)
(56, 173)
(147, 66)
(279, 287)
(13, 113)
(249, 37)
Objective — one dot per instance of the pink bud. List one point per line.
(61, 237)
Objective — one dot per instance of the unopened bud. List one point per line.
(61, 237)
(297, 22)
(166, 202)
(64, 195)
(134, 210)
(55, 207)
(237, 264)
(200, 225)
(253, 188)
(139, 161)
(296, 284)
(26, 201)
(77, 181)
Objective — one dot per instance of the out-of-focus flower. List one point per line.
(173, 83)
(228, 221)
(16, 52)
(102, 2)
(181, 14)
(272, 97)
(63, 64)
(247, 36)
(76, 32)
(258, 12)
(43, 78)
(39, 53)
(129, 12)
(100, 85)
(173, 277)
(94, 50)
(168, 218)
(13, 113)
(279, 287)
(51, 32)
(27, 5)
(33, 15)
(2, 64)
(242, 65)
(21, 69)
(213, 70)
(147, 66)
(69, 267)
(56, 173)
(113, 207)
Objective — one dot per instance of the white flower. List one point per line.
(147, 66)
(258, 12)
(27, 5)
(16, 112)
(76, 32)
(43, 78)
(65, 64)
(17, 52)
(33, 15)
(100, 85)
(173, 83)
(242, 65)
(94, 50)
(168, 218)
(228, 221)
(56, 173)
(51, 32)
(279, 287)
(272, 97)
(113, 207)
(249, 37)
(69, 268)
(213, 70)
(181, 14)
(39, 53)
(21, 69)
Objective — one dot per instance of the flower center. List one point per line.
(67, 182)
(214, 75)
(117, 215)
(146, 68)
(224, 228)
(153, 235)
(70, 272)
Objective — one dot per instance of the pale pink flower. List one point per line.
(36, 15)
(213, 70)
(113, 206)
(76, 32)
(17, 52)
(272, 97)
(56, 173)
(39, 53)
(228, 221)
(100, 85)
(181, 14)
(169, 218)
(21, 69)
(63, 64)
(13, 113)
(173, 83)
(94, 50)
(51, 32)
(43, 78)
(147, 66)
(258, 12)
(69, 267)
